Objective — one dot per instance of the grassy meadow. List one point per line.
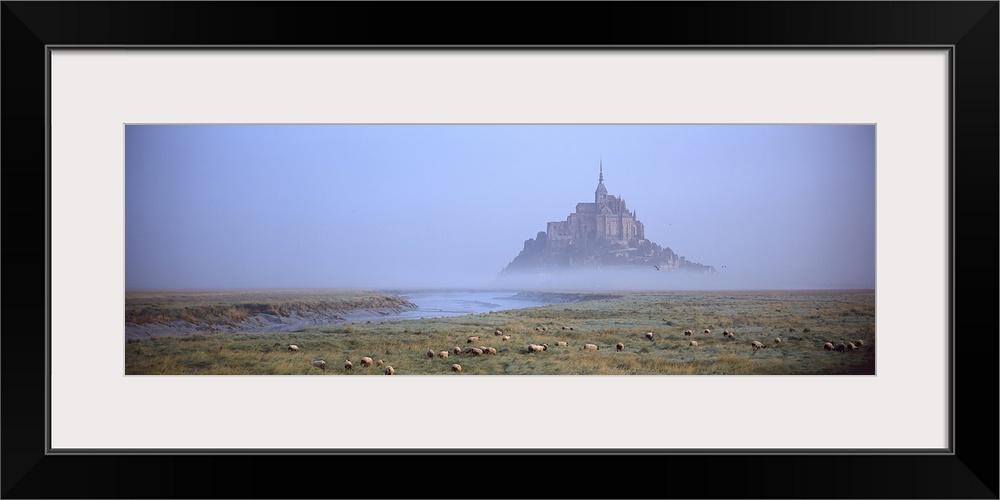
(803, 320)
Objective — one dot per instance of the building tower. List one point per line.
(601, 195)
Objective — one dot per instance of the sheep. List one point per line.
(366, 362)
(840, 347)
(545, 328)
(292, 348)
(319, 363)
(757, 345)
(457, 368)
(538, 328)
(851, 346)
(348, 365)
(688, 333)
(379, 363)
(859, 343)
(591, 347)
(472, 339)
(828, 346)
(430, 353)
(490, 350)
(443, 354)
(619, 346)
(561, 344)
(730, 335)
(457, 350)
(497, 332)
(725, 333)
(707, 331)
(389, 370)
(777, 340)
(566, 328)
(693, 343)
(537, 348)
(505, 338)
(649, 335)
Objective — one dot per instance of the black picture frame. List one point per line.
(970, 28)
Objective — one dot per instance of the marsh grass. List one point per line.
(803, 320)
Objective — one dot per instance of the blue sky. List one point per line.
(384, 206)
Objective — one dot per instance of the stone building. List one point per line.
(599, 234)
(606, 219)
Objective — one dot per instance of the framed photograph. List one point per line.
(143, 107)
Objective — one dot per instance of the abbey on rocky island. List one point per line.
(602, 233)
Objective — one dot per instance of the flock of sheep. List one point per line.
(367, 362)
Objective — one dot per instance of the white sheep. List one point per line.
(497, 332)
(591, 347)
(292, 347)
(348, 365)
(366, 362)
(443, 354)
(619, 346)
(456, 368)
(851, 346)
(841, 347)
(457, 350)
(389, 370)
(537, 348)
(505, 338)
(688, 333)
(379, 363)
(730, 335)
(757, 345)
(860, 343)
(319, 363)
(472, 339)
(430, 353)
(777, 340)
(649, 335)
(707, 331)
(693, 343)
(561, 344)
(828, 346)
(566, 328)
(490, 350)
(725, 333)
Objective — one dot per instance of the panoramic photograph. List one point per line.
(457, 250)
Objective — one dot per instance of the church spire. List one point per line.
(601, 195)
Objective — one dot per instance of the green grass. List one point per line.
(804, 320)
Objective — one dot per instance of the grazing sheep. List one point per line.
(649, 335)
(457, 350)
(538, 328)
(472, 339)
(319, 363)
(730, 335)
(443, 354)
(708, 331)
(366, 362)
(693, 343)
(561, 344)
(860, 343)
(725, 333)
(565, 328)
(777, 340)
(379, 363)
(389, 370)
(591, 347)
(620, 347)
(456, 368)
(545, 328)
(497, 332)
(688, 333)
(571, 328)
(490, 350)
(757, 345)
(537, 348)
(430, 353)
(505, 338)
(841, 347)
(292, 347)
(828, 346)
(348, 365)
(851, 346)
